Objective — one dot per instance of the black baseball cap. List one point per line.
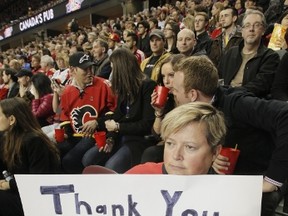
(81, 60)
(24, 72)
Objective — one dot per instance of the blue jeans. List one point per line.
(127, 155)
(94, 157)
(72, 160)
(119, 162)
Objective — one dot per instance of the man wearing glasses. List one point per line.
(250, 65)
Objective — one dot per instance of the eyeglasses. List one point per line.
(256, 25)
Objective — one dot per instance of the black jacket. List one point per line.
(102, 68)
(13, 92)
(260, 128)
(136, 122)
(258, 73)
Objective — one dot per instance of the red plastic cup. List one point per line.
(162, 92)
(59, 134)
(100, 138)
(233, 155)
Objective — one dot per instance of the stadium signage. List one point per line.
(36, 20)
(49, 15)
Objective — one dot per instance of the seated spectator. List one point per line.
(15, 64)
(143, 28)
(131, 43)
(42, 103)
(239, 6)
(102, 67)
(250, 65)
(87, 96)
(35, 64)
(47, 65)
(24, 62)
(10, 79)
(61, 75)
(186, 42)
(113, 42)
(24, 81)
(59, 81)
(153, 23)
(229, 36)
(202, 37)
(133, 116)
(193, 134)
(214, 22)
(151, 65)
(188, 22)
(165, 78)
(3, 87)
(125, 33)
(162, 17)
(25, 149)
(171, 30)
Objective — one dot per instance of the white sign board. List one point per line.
(145, 195)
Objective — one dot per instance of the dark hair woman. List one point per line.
(42, 103)
(171, 30)
(25, 149)
(133, 117)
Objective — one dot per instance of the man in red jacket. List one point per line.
(83, 104)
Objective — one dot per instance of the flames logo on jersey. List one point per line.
(80, 115)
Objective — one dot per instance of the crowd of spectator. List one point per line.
(102, 78)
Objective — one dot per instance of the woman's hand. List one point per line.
(57, 88)
(154, 96)
(108, 146)
(220, 163)
(111, 125)
(4, 185)
(281, 43)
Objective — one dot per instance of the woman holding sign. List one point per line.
(192, 134)
(24, 149)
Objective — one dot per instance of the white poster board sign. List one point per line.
(145, 195)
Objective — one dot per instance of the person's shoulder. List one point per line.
(148, 83)
(147, 168)
(99, 81)
(68, 89)
(31, 138)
